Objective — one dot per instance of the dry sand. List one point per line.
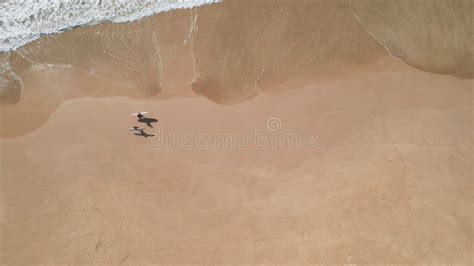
(390, 180)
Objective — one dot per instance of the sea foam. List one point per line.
(23, 21)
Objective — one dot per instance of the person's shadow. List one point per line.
(147, 120)
(143, 134)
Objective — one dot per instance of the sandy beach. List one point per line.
(377, 168)
(389, 182)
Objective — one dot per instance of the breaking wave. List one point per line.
(24, 21)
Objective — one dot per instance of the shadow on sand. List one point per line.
(143, 134)
(148, 121)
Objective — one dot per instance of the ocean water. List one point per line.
(23, 21)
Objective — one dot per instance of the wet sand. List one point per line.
(230, 52)
(390, 180)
